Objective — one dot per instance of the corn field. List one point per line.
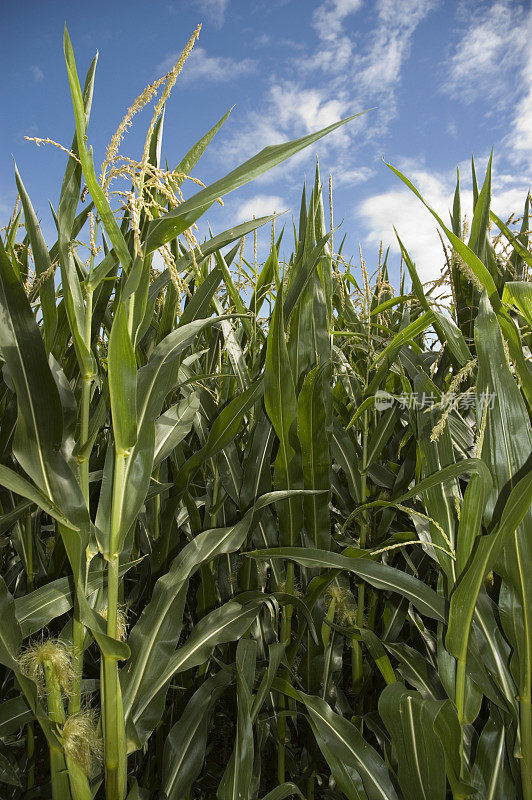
(266, 527)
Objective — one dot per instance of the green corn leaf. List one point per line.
(169, 226)
(154, 637)
(412, 330)
(420, 754)
(518, 246)
(14, 714)
(225, 624)
(42, 264)
(122, 382)
(346, 743)
(172, 427)
(446, 725)
(275, 655)
(487, 550)
(39, 431)
(10, 635)
(281, 405)
(184, 748)
(186, 261)
(199, 304)
(379, 575)
(283, 791)
(16, 483)
(491, 773)
(312, 434)
(226, 426)
(519, 295)
(8, 772)
(479, 225)
(100, 201)
(189, 161)
(462, 249)
(236, 780)
(506, 448)
(37, 609)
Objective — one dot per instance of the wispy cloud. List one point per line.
(379, 69)
(38, 74)
(261, 205)
(484, 58)
(214, 9)
(336, 45)
(354, 79)
(415, 225)
(214, 69)
(351, 176)
(287, 111)
(400, 208)
(519, 139)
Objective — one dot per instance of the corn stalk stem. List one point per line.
(56, 712)
(78, 632)
(357, 661)
(525, 719)
(30, 732)
(460, 705)
(30, 747)
(113, 716)
(286, 635)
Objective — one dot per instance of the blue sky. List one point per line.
(448, 79)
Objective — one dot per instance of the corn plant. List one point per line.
(266, 526)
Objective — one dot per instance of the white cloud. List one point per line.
(360, 74)
(380, 68)
(287, 111)
(305, 110)
(520, 137)
(38, 74)
(345, 176)
(260, 205)
(215, 69)
(452, 129)
(328, 18)
(336, 46)
(414, 223)
(215, 10)
(485, 55)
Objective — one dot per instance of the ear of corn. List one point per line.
(266, 528)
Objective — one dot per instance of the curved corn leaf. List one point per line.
(122, 382)
(281, 405)
(153, 639)
(225, 624)
(316, 461)
(281, 792)
(184, 748)
(488, 548)
(345, 742)
(42, 264)
(420, 755)
(100, 201)
(172, 426)
(491, 773)
(14, 714)
(381, 576)
(519, 295)
(169, 226)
